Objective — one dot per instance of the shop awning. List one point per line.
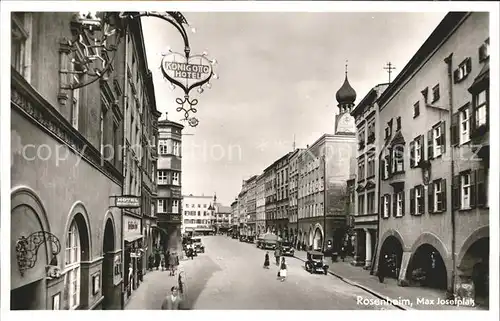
(133, 238)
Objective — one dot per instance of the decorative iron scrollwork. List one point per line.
(27, 249)
(193, 121)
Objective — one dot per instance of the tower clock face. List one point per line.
(346, 124)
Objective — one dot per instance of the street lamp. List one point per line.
(96, 37)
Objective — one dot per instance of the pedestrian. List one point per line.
(277, 255)
(167, 260)
(181, 284)
(151, 262)
(342, 253)
(382, 271)
(172, 301)
(163, 263)
(282, 272)
(172, 264)
(157, 259)
(266, 260)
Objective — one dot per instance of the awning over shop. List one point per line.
(132, 238)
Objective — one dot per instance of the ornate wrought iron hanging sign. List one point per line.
(187, 72)
(27, 249)
(96, 37)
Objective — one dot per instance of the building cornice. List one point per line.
(40, 112)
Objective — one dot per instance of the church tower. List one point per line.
(344, 122)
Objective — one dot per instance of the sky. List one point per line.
(278, 75)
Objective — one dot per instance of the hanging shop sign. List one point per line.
(131, 228)
(187, 73)
(126, 201)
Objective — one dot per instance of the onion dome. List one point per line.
(346, 94)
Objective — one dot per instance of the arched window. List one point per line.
(73, 255)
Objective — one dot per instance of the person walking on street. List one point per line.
(163, 263)
(266, 260)
(151, 262)
(172, 301)
(172, 264)
(167, 260)
(157, 260)
(181, 284)
(277, 255)
(282, 273)
(382, 271)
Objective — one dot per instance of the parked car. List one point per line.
(250, 239)
(235, 236)
(243, 238)
(198, 245)
(287, 249)
(314, 263)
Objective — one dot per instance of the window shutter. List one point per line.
(454, 132)
(402, 203)
(455, 76)
(394, 204)
(443, 137)
(472, 189)
(430, 154)
(421, 201)
(412, 201)
(480, 188)
(388, 207)
(422, 146)
(430, 197)
(455, 196)
(389, 160)
(443, 191)
(469, 65)
(382, 206)
(412, 154)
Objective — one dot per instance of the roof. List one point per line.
(447, 26)
(369, 98)
(169, 123)
(346, 94)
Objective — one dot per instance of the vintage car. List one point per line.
(234, 236)
(314, 262)
(287, 249)
(250, 239)
(198, 245)
(243, 238)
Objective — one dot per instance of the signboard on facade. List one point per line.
(186, 73)
(176, 193)
(131, 226)
(127, 201)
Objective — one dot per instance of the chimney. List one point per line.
(166, 115)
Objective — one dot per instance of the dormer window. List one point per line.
(416, 109)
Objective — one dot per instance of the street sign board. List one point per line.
(127, 201)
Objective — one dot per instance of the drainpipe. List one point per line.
(374, 255)
(124, 154)
(448, 60)
(324, 202)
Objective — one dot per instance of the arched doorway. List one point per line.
(108, 248)
(318, 239)
(475, 263)
(391, 250)
(427, 267)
